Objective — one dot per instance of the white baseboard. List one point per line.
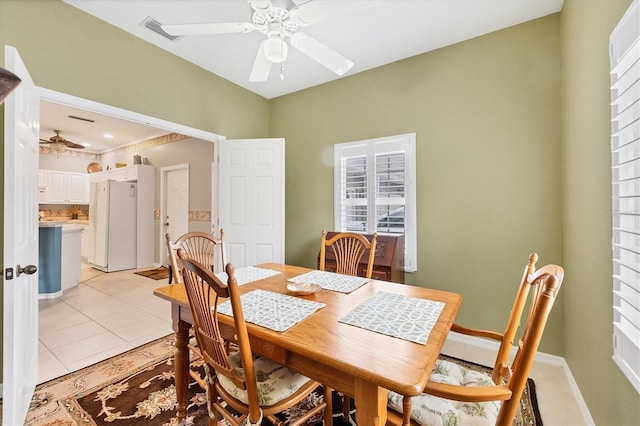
(540, 357)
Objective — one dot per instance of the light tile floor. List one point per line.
(108, 314)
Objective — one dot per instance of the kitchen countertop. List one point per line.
(50, 223)
(58, 222)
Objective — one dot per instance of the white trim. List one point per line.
(540, 357)
(88, 105)
(55, 295)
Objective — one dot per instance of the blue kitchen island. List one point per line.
(58, 258)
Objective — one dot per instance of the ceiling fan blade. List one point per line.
(73, 145)
(260, 4)
(210, 28)
(320, 10)
(321, 53)
(261, 66)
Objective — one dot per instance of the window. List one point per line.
(374, 189)
(625, 162)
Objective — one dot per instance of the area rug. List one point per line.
(155, 274)
(137, 388)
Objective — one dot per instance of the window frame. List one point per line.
(370, 148)
(624, 50)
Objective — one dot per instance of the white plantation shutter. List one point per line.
(390, 192)
(625, 161)
(375, 189)
(354, 193)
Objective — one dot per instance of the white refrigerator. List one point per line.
(112, 219)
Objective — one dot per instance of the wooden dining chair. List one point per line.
(463, 396)
(348, 249)
(204, 247)
(241, 386)
(201, 246)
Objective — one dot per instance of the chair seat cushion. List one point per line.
(430, 410)
(275, 382)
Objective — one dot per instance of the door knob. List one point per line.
(29, 270)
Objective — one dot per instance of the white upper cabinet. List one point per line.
(64, 187)
(78, 188)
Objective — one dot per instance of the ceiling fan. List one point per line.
(279, 20)
(59, 143)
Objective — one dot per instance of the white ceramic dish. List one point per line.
(303, 289)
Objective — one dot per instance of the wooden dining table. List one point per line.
(361, 363)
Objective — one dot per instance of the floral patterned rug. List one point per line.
(137, 388)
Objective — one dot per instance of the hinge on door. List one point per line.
(8, 274)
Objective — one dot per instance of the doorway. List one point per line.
(118, 113)
(174, 204)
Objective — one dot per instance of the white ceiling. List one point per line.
(380, 33)
(55, 116)
(383, 32)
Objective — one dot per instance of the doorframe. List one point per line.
(163, 205)
(116, 112)
(215, 165)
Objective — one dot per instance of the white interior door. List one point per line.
(251, 200)
(20, 332)
(175, 208)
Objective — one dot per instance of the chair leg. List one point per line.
(346, 408)
(406, 410)
(328, 410)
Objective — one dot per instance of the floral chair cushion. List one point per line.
(275, 382)
(429, 410)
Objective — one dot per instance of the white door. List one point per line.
(251, 200)
(20, 332)
(175, 207)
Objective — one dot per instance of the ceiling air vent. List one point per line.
(156, 27)
(75, 117)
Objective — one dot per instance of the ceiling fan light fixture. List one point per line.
(275, 49)
(57, 147)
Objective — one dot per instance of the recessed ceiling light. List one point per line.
(108, 136)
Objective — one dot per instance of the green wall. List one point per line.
(585, 30)
(512, 144)
(71, 52)
(486, 113)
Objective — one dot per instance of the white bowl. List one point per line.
(303, 289)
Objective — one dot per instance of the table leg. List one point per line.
(371, 403)
(181, 366)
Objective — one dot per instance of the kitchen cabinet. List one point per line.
(70, 258)
(63, 187)
(86, 242)
(43, 194)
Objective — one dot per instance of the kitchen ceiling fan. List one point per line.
(279, 20)
(60, 143)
